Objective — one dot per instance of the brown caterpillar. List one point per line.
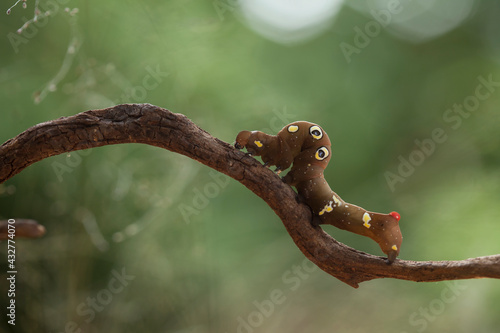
(308, 147)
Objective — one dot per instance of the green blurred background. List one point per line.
(231, 66)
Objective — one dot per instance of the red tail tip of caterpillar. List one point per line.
(395, 215)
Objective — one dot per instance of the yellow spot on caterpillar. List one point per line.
(293, 128)
(337, 201)
(327, 209)
(394, 247)
(258, 143)
(366, 220)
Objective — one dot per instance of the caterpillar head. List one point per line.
(254, 141)
(391, 239)
(242, 139)
(267, 146)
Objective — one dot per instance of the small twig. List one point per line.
(15, 4)
(152, 125)
(71, 52)
(23, 228)
(36, 15)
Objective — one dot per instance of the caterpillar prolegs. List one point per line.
(307, 148)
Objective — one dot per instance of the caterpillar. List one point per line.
(307, 148)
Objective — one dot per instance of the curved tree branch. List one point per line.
(152, 125)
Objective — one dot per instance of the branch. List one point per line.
(21, 228)
(152, 125)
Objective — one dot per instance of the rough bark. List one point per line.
(152, 125)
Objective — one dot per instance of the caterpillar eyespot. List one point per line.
(316, 132)
(292, 146)
(321, 153)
